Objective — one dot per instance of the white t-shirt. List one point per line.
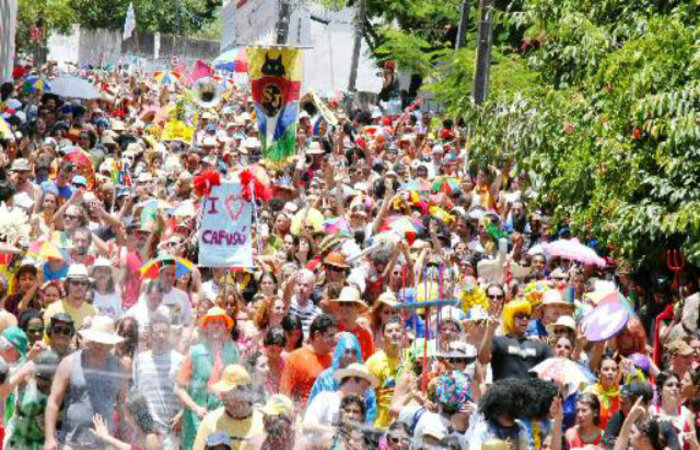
(323, 409)
(178, 302)
(210, 290)
(108, 304)
(143, 315)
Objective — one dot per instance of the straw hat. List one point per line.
(349, 294)
(567, 322)
(356, 370)
(101, 331)
(554, 297)
(389, 299)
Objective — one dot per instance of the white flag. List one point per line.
(130, 23)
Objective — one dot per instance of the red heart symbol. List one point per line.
(234, 206)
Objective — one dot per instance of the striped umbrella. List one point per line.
(233, 60)
(47, 249)
(152, 268)
(35, 83)
(167, 76)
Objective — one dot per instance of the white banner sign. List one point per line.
(225, 231)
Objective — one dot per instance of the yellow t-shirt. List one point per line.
(77, 314)
(385, 369)
(239, 430)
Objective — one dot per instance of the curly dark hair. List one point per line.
(651, 428)
(508, 397)
(544, 392)
(137, 407)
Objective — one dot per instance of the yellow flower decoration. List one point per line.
(473, 296)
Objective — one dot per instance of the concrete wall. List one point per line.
(8, 28)
(106, 47)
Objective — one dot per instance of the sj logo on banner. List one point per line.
(224, 234)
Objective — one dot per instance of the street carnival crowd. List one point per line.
(401, 296)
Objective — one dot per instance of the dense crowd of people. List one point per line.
(402, 296)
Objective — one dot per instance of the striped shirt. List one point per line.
(306, 314)
(154, 376)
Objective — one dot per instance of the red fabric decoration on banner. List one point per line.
(205, 181)
(261, 190)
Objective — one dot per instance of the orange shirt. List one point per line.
(301, 369)
(364, 336)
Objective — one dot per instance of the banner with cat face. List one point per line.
(275, 77)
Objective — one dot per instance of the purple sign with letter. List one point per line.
(224, 233)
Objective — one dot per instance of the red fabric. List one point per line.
(667, 314)
(133, 279)
(201, 70)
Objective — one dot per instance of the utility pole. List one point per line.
(283, 22)
(463, 22)
(483, 52)
(359, 29)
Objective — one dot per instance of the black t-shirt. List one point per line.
(514, 357)
(612, 431)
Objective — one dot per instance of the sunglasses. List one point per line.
(521, 317)
(336, 269)
(78, 283)
(398, 440)
(35, 330)
(355, 379)
(465, 360)
(495, 297)
(66, 331)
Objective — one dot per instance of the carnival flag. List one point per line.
(275, 75)
(130, 23)
(201, 70)
(224, 233)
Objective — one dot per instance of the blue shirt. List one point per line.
(58, 275)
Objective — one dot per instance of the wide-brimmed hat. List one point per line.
(315, 148)
(388, 298)
(234, 375)
(102, 331)
(349, 294)
(567, 322)
(216, 313)
(356, 370)
(20, 165)
(336, 259)
(554, 297)
(77, 271)
(105, 263)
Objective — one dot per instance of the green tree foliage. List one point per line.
(165, 16)
(47, 15)
(605, 119)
